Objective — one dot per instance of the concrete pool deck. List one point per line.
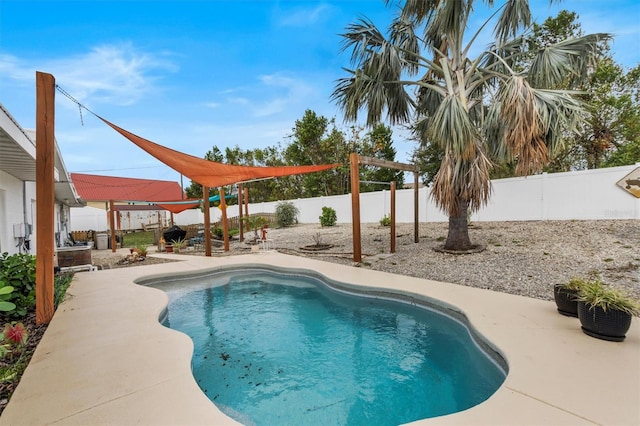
(105, 359)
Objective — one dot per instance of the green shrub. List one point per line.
(60, 285)
(286, 214)
(218, 232)
(19, 271)
(329, 217)
(386, 220)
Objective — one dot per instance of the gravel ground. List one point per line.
(523, 258)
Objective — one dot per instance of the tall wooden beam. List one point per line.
(45, 194)
(246, 202)
(225, 224)
(207, 221)
(112, 225)
(393, 216)
(240, 215)
(416, 237)
(355, 205)
(386, 164)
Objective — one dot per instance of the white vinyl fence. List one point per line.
(580, 195)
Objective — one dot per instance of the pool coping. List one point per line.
(93, 367)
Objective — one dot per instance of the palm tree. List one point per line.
(501, 105)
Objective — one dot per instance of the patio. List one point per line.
(105, 359)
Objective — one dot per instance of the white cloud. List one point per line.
(304, 17)
(12, 67)
(115, 74)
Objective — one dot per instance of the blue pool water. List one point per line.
(275, 349)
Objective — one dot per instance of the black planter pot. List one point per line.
(566, 300)
(609, 325)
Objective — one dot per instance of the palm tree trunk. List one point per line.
(458, 237)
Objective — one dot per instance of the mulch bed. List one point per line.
(36, 332)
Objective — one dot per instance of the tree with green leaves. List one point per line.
(317, 140)
(473, 108)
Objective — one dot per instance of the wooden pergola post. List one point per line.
(393, 217)
(416, 237)
(240, 215)
(354, 160)
(45, 194)
(225, 224)
(246, 202)
(207, 221)
(112, 226)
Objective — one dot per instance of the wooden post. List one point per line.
(45, 199)
(246, 202)
(354, 160)
(207, 221)
(393, 216)
(225, 224)
(240, 224)
(112, 226)
(416, 238)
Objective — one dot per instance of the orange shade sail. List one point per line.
(179, 208)
(210, 173)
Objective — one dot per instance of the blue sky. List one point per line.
(196, 73)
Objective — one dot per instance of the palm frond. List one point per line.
(418, 10)
(445, 29)
(458, 180)
(560, 112)
(403, 36)
(452, 129)
(515, 16)
(565, 64)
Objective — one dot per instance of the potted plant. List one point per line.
(605, 312)
(178, 244)
(566, 296)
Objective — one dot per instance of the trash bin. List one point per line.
(102, 241)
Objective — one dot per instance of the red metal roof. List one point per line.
(105, 188)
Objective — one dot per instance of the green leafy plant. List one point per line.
(286, 214)
(218, 232)
(60, 285)
(596, 293)
(255, 223)
(141, 249)
(575, 284)
(178, 244)
(5, 295)
(386, 220)
(19, 272)
(328, 217)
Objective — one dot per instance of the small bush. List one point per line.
(19, 271)
(329, 217)
(60, 285)
(386, 220)
(218, 232)
(286, 214)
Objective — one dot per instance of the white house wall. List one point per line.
(14, 210)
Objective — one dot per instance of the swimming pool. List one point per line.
(283, 347)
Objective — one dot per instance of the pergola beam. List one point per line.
(45, 190)
(355, 160)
